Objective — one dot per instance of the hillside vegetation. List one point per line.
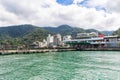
(27, 34)
(117, 32)
(22, 34)
(68, 30)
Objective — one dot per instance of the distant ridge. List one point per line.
(22, 34)
(23, 30)
(16, 31)
(68, 30)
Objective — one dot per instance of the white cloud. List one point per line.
(94, 3)
(113, 6)
(50, 13)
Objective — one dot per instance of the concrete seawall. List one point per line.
(8, 52)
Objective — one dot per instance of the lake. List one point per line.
(71, 65)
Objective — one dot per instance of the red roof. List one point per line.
(101, 35)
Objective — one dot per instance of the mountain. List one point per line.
(68, 30)
(59, 29)
(92, 30)
(36, 35)
(19, 31)
(16, 31)
(25, 30)
(26, 34)
(22, 34)
(117, 32)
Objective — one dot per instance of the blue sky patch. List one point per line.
(84, 3)
(65, 2)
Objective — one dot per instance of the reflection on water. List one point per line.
(78, 65)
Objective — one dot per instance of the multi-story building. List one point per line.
(86, 35)
(95, 42)
(49, 40)
(57, 40)
(112, 41)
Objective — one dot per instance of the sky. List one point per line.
(97, 14)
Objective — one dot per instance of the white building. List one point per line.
(44, 43)
(96, 42)
(93, 34)
(57, 40)
(112, 41)
(49, 39)
(87, 35)
(67, 37)
(38, 44)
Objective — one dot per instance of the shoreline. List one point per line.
(10, 52)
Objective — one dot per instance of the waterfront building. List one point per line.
(95, 42)
(34, 44)
(57, 40)
(38, 44)
(86, 35)
(112, 41)
(44, 43)
(49, 39)
(67, 37)
(82, 35)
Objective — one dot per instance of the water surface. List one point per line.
(75, 65)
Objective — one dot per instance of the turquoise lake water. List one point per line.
(73, 65)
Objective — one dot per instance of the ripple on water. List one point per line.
(86, 65)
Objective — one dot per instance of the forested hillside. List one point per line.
(68, 30)
(26, 34)
(117, 32)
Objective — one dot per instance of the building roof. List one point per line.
(89, 39)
